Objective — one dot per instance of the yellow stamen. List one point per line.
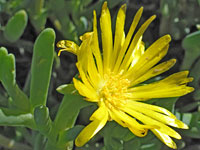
(114, 92)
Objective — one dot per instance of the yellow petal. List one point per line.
(67, 46)
(172, 86)
(83, 90)
(128, 38)
(137, 53)
(161, 91)
(172, 121)
(150, 57)
(165, 138)
(82, 53)
(127, 60)
(95, 46)
(127, 121)
(151, 107)
(90, 130)
(149, 121)
(155, 71)
(99, 113)
(106, 34)
(84, 77)
(92, 71)
(119, 33)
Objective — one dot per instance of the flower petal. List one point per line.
(150, 57)
(149, 121)
(83, 90)
(106, 34)
(172, 86)
(127, 121)
(128, 38)
(172, 121)
(165, 138)
(127, 59)
(67, 46)
(99, 120)
(119, 33)
(162, 67)
(95, 46)
(151, 107)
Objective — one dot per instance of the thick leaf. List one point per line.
(191, 45)
(15, 26)
(7, 76)
(67, 89)
(135, 143)
(26, 120)
(41, 67)
(193, 120)
(195, 73)
(114, 143)
(68, 111)
(69, 135)
(42, 120)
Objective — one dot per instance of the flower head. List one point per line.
(112, 80)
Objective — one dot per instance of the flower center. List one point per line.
(114, 91)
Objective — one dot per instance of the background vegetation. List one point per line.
(29, 78)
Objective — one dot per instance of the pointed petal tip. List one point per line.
(173, 60)
(185, 126)
(94, 12)
(104, 7)
(172, 145)
(168, 37)
(123, 7)
(78, 144)
(141, 9)
(191, 89)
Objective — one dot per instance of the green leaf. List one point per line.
(69, 135)
(68, 111)
(114, 143)
(191, 45)
(7, 76)
(193, 120)
(42, 120)
(67, 89)
(41, 67)
(15, 26)
(195, 73)
(132, 143)
(20, 120)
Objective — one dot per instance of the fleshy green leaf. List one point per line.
(19, 100)
(41, 67)
(15, 26)
(67, 89)
(132, 143)
(42, 119)
(20, 120)
(193, 120)
(191, 45)
(69, 135)
(68, 111)
(195, 73)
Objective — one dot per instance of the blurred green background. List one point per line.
(21, 21)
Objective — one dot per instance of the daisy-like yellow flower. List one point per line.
(112, 79)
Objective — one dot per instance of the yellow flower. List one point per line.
(112, 79)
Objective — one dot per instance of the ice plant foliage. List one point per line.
(111, 78)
